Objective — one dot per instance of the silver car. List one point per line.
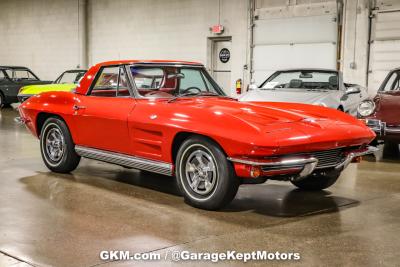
(322, 87)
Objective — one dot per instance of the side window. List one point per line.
(396, 84)
(391, 82)
(2, 76)
(111, 82)
(148, 78)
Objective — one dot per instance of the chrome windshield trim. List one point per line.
(125, 160)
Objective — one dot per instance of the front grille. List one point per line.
(328, 158)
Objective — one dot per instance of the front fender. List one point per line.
(60, 104)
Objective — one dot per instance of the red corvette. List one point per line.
(172, 118)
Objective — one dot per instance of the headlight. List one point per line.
(366, 108)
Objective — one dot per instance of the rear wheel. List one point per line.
(57, 147)
(204, 175)
(317, 181)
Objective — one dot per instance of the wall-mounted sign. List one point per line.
(217, 29)
(224, 55)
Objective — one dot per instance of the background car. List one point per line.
(67, 81)
(309, 86)
(382, 113)
(12, 78)
(165, 117)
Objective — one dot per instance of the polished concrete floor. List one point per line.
(49, 219)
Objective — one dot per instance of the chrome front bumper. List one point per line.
(306, 165)
(381, 128)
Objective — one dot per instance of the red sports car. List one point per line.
(172, 118)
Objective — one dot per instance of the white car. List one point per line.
(322, 87)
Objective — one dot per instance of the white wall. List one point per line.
(40, 34)
(43, 34)
(355, 47)
(160, 29)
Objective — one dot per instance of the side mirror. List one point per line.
(253, 86)
(352, 90)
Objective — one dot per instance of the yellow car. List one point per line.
(67, 82)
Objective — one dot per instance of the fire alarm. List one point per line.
(217, 29)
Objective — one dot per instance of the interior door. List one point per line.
(101, 118)
(221, 64)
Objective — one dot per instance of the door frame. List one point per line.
(210, 48)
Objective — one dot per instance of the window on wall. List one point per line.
(111, 82)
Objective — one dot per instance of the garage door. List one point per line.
(301, 36)
(385, 46)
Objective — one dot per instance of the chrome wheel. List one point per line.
(55, 144)
(201, 172)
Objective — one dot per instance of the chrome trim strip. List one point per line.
(392, 129)
(308, 164)
(381, 127)
(282, 163)
(126, 160)
(19, 120)
(352, 155)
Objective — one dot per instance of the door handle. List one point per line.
(75, 107)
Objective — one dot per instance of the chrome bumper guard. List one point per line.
(380, 127)
(355, 154)
(307, 165)
(19, 120)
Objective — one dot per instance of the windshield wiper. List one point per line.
(195, 94)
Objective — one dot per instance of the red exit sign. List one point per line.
(217, 29)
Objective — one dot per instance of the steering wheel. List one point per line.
(191, 88)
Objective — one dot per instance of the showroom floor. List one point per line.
(50, 219)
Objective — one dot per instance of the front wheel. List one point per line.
(204, 175)
(316, 182)
(57, 147)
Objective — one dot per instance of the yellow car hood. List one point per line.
(37, 89)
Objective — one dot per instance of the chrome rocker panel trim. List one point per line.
(126, 160)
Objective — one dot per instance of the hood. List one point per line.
(37, 89)
(386, 104)
(328, 98)
(288, 125)
(259, 113)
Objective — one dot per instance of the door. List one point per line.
(384, 48)
(221, 63)
(101, 117)
(295, 36)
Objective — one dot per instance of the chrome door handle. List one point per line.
(75, 107)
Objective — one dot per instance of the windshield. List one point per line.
(327, 80)
(70, 77)
(392, 83)
(21, 74)
(167, 81)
